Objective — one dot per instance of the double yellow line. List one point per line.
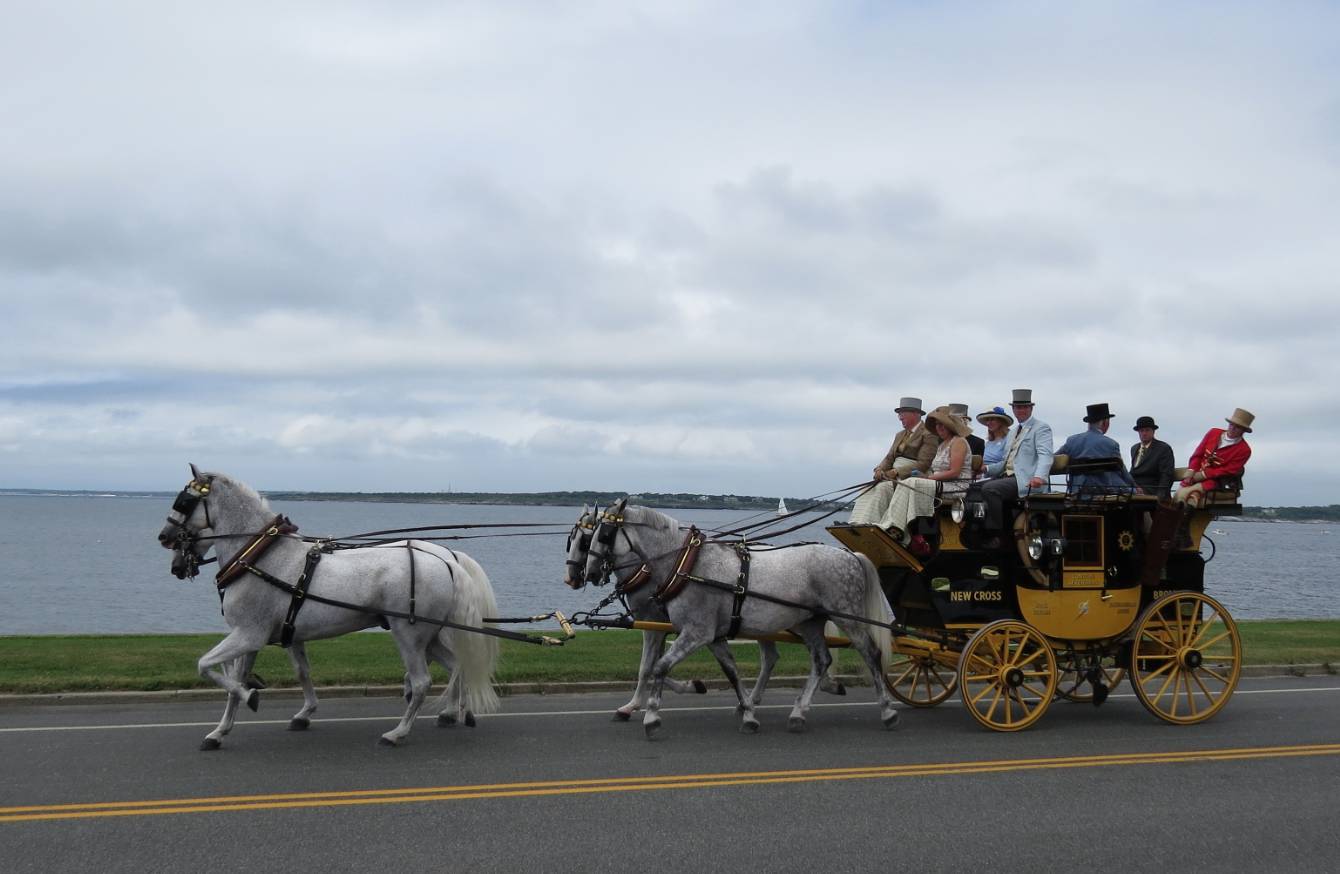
(632, 784)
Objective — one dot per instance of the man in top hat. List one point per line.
(1151, 460)
(1095, 444)
(975, 444)
(1223, 452)
(1026, 468)
(913, 449)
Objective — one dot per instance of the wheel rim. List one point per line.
(1007, 675)
(919, 681)
(1186, 658)
(1071, 682)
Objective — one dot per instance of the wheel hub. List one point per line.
(1190, 658)
(1012, 677)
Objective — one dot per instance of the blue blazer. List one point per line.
(1033, 458)
(1095, 444)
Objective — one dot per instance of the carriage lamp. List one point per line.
(957, 511)
(1058, 545)
(978, 510)
(1035, 547)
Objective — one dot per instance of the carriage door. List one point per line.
(1082, 566)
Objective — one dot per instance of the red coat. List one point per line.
(1216, 462)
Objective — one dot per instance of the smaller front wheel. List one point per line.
(919, 681)
(1007, 675)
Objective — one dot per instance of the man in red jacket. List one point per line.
(1222, 453)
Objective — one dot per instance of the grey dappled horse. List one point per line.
(825, 580)
(653, 642)
(217, 511)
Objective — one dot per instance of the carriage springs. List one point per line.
(83, 663)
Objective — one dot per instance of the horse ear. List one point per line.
(196, 475)
(618, 508)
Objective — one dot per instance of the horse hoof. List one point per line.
(749, 727)
(254, 701)
(699, 687)
(651, 728)
(620, 716)
(891, 720)
(299, 724)
(469, 719)
(795, 725)
(256, 681)
(384, 741)
(445, 720)
(210, 743)
(840, 690)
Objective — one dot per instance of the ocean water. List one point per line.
(82, 565)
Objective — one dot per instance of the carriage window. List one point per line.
(1083, 541)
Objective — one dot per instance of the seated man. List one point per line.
(1221, 453)
(1094, 444)
(1025, 470)
(976, 444)
(913, 449)
(1151, 460)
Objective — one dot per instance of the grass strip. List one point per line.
(149, 662)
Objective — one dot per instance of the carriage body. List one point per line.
(1076, 600)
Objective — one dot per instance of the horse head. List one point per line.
(579, 543)
(186, 523)
(600, 557)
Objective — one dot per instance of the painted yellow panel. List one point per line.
(949, 534)
(875, 544)
(1079, 615)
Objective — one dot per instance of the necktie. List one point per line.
(1139, 455)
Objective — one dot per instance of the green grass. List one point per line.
(150, 662)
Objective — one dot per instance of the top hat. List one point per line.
(1096, 413)
(995, 413)
(910, 405)
(1145, 422)
(960, 410)
(1242, 419)
(946, 417)
(1023, 397)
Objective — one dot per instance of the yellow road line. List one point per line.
(627, 784)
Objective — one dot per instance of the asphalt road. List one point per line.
(1257, 788)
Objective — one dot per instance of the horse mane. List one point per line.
(243, 491)
(651, 518)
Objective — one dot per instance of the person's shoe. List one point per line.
(895, 533)
(919, 546)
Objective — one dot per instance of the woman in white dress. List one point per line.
(949, 477)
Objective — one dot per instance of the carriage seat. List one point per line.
(1060, 463)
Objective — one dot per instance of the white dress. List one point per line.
(916, 497)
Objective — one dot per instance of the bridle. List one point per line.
(581, 534)
(184, 541)
(601, 548)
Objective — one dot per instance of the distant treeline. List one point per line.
(1294, 514)
(554, 499)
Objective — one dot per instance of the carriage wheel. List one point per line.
(1186, 657)
(1007, 675)
(1072, 678)
(918, 680)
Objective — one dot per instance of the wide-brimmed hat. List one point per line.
(1145, 422)
(1023, 397)
(910, 405)
(946, 417)
(1242, 419)
(995, 413)
(1097, 413)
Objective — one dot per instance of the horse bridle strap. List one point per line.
(255, 548)
(300, 597)
(688, 557)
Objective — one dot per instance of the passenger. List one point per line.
(1026, 467)
(997, 423)
(1223, 452)
(913, 449)
(1095, 444)
(949, 476)
(976, 445)
(1151, 460)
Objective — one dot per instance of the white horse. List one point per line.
(814, 582)
(412, 577)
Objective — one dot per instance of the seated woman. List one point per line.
(948, 477)
(997, 423)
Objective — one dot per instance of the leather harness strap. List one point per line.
(279, 525)
(741, 591)
(688, 556)
(299, 597)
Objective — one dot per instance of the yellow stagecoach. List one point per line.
(1093, 585)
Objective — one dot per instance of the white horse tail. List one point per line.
(476, 654)
(876, 607)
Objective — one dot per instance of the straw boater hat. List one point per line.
(1096, 413)
(1242, 419)
(1145, 422)
(910, 405)
(995, 413)
(1023, 397)
(946, 417)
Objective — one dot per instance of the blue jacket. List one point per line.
(1033, 457)
(1095, 444)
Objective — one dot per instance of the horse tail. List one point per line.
(476, 654)
(876, 607)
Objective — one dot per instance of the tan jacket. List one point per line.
(918, 444)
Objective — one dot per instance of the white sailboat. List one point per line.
(781, 507)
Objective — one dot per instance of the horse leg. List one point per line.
(453, 699)
(812, 630)
(414, 652)
(726, 658)
(297, 654)
(767, 660)
(684, 645)
(862, 642)
(240, 649)
(653, 645)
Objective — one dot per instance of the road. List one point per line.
(1257, 788)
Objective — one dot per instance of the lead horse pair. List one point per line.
(796, 588)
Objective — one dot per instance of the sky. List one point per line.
(667, 247)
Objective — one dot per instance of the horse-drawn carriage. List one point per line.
(1094, 584)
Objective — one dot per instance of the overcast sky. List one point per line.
(682, 247)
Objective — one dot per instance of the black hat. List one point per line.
(1145, 422)
(1097, 413)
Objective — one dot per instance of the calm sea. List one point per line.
(80, 565)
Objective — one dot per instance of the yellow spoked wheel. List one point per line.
(1186, 657)
(1075, 682)
(919, 681)
(1007, 675)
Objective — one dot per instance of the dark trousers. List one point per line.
(995, 492)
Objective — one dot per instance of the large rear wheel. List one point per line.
(1007, 675)
(918, 680)
(1186, 657)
